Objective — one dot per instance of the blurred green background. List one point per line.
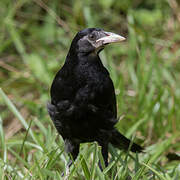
(34, 39)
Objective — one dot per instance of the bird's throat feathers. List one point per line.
(83, 58)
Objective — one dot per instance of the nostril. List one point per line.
(107, 34)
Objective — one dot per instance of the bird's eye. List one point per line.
(92, 37)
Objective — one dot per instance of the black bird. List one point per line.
(83, 102)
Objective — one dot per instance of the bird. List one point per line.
(83, 104)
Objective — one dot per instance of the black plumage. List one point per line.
(83, 102)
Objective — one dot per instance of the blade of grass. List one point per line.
(53, 158)
(41, 176)
(95, 160)
(24, 140)
(100, 174)
(162, 147)
(85, 167)
(132, 129)
(157, 173)
(3, 143)
(27, 143)
(19, 158)
(16, 38)
(16, 113)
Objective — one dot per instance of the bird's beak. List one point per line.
(109, 37)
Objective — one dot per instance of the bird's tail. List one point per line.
(121, 142)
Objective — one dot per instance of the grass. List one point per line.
(34, 40)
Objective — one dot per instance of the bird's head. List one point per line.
(93, 40)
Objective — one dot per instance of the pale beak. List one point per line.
(110, 38)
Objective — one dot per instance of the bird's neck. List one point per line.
(91, 58)
(82, 58)
(86, 63)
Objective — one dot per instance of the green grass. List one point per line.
(34, 40)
